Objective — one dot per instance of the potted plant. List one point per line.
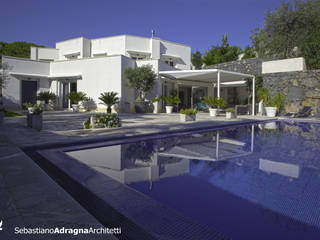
(273, 104)
(230, 113)
(156, 104)
(109, 99)
(187, 115)
(170, 102)
(34, 117)
(142, 79)
(28, 106)
(213, 104)
(46, 97)
(264, 97)
(75, 98)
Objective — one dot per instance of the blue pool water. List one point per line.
(250, 182)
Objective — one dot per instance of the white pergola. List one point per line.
(216, 77)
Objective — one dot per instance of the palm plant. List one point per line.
(172, 100)
(46, 97)
(109, 99)
(263, 95)
(76, 97)
(213, 102)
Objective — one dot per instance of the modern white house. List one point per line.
(92, 66)
(95, 66)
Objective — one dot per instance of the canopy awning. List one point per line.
(206, 76)
(170, 56)
(137, 52)
(210, 77)
(20, 75)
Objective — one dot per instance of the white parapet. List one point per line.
(284, 65)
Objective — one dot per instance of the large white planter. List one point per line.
(169, 109)
(230, 115)
(156, 107)
(187, 118)
(271, 111)
(213, 112)
(75, 107)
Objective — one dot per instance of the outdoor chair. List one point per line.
(305, 112)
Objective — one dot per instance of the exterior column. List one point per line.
(253, 95)
(191, 96)
(69, 89)
(218, 85)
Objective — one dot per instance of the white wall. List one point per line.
(70, 46)
(12, 90)
(111, 45)
(44, 54)
(137, 44)
(98, 74)
(285, 65)
(180, 50)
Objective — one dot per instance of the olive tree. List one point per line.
(142, 79)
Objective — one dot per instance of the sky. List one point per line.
(198, 23)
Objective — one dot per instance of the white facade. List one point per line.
(92, 66)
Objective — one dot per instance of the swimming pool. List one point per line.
(251, 182)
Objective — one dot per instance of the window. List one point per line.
(170, 63)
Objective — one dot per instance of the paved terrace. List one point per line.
(66, 127)
(29, 198)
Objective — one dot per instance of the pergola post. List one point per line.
(253, 95)
(218, 84)
(69, 90)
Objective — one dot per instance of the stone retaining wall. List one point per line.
(300, 88)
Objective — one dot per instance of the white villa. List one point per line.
(95, 66)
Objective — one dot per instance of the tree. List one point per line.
(3, 77)
(291, 30)
(249, 52)
(141, 78)
(17, 49)
(196, 59)
(221, 54)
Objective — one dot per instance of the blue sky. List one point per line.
(199, 24)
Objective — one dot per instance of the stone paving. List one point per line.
(66, 127)
(29, 198)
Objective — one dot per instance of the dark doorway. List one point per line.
(29, 91)
(185, 97)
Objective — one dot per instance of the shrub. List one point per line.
(109, 120)
(46, 97)
(89, 104)
(189, 111)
